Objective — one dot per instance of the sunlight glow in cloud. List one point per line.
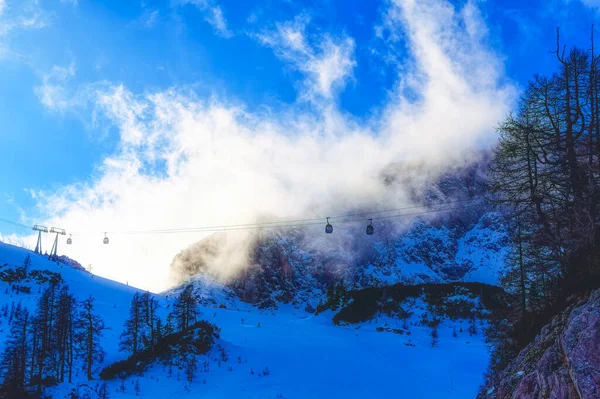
(185, 162)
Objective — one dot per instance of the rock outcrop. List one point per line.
(465, 242)
(563, 362)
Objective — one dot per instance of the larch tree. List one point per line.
(90, 328)
(13, 361)
(150, 319)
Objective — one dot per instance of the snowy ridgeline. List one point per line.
(296, 266)
(283, 353)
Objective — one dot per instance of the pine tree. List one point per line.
(102, 391)
(330, 295)
(160, 329)
(13, 362)
(131, 336)
(149, 318)
(137, 389)
(43, 357)
(169, 325)
(434, 335)
(184, 309)
(191, 366)
(26, 264)
(90, 328)
(64, 333)
(473, 326)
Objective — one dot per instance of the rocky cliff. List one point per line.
(296, 265)
(563, 362)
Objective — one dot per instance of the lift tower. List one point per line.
(54, 249)
(40, 230)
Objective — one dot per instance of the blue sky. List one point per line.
(87, 85)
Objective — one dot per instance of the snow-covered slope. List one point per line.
(111, 298)
(306, 356)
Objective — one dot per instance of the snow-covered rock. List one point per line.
(292, 266)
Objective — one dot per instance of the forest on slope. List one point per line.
(546, 174)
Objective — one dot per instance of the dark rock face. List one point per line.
(563, 362)
(296, 265)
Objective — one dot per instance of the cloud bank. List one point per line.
(184, 161)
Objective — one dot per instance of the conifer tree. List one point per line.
(26, 264)
(149, 318)
(64, 333)
(184, 309)
(169, 325)
(434, 333)
(13, 361)
(43, 359)
(90, 328)
(132, 332)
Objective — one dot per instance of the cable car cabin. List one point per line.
(105, 239)
(370, 228)
(69, 241)
(328, 227)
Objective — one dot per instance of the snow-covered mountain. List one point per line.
(275, 354)
(289, 327)
(467, 242)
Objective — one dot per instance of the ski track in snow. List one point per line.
(307, 356)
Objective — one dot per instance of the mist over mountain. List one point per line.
(454, 236)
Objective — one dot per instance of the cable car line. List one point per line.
(402, 209)
(280, 223)
(14, 223)
(350, 218)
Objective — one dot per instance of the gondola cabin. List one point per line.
(370, 229)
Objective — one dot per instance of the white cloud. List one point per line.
(328, 63)
(53, 93)
(254, 16)
(148, 19)
(16, 16)
(216, 19)
(592, 3)
(72, 2)
(213, 14)
(20, 14)
(186, 162)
